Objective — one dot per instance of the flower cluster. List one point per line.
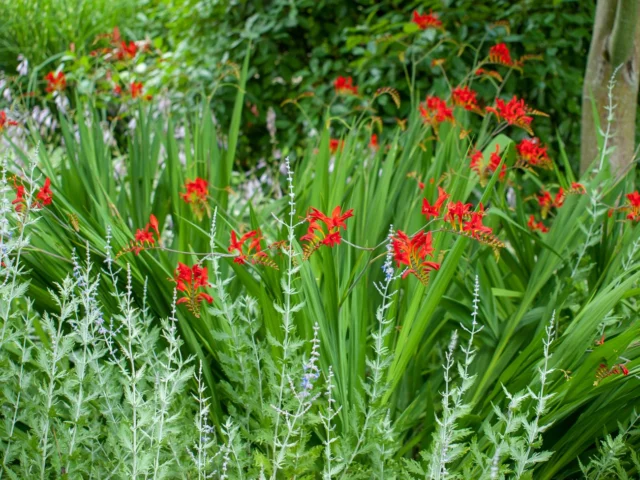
(547, 201)
(412, 252)
(144, 237)
(469, 223)
(335, 145)
(603, 371)
(427, 20)
(373, 142)
(486, 170)
(253, 251)
(56, 82)
(634, 206)
(429, 210)
(344, 85)
(317, 236)
(434, 111)
(466, 98)
(43, 197)
(4, 122)
(119, 49)
(500, 53)
(514, 112)
(135, 91)
(534, 226)
(196, 195)
(189, 281)
(532, 154)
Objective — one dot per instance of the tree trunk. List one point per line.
(616, 41)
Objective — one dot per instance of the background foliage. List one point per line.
(310, 43)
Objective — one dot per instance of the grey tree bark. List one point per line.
(615, 42)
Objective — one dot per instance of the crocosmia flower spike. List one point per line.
(324, 230)
(196, 196)
(429, 210)
(5, 122)
(500, 53)
(189, 282)
(249, 248)
(485, 171)
(412, 252)
(427, 20)
(515, 112)
(532, 154)
(56, 82)
(144, 237)
(344, 85)
(466, 98)
(633, 206)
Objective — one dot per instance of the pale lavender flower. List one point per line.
(311, 369)
(23, 66)
(271, 124)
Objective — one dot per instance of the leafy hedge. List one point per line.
(302, 46)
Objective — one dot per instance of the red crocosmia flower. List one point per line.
(428, 20)
(196, 196)
(344, 85)
(533, 154)
(182, 277)
(494, 163)
(310, 235)
(197, 190)
(316, 236)
(373, 143)
(484, 171)
(55, 82)
(545, 200)
(435, 111)
(457, 212)
(558, 201)
(439, 106)
(136, 89)
(412, 252)
(143, 237)
(476, 162)
(500, 53)
(429, 210)
(578, 188)
(536, 226)
(335, 144)
(625, 370)
(115, 35)
(475, 227)
(332, 239)
(337, 219)
(514, 112)
(466, 98)
(117, 90)
(19, 200)
(153, 224)
(251, 252)
(189, 281)
(45, 195)
(420, 185)
(634, 206)
(126, 51)
(4, 122)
